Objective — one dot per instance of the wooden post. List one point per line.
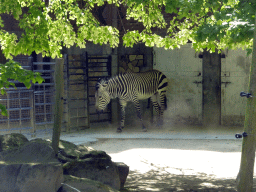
(245, 175)
(66, 113)
(58, 109)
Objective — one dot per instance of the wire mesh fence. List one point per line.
(30, 110)
(19, 104)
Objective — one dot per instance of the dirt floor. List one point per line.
(176, 159)
(171, 158)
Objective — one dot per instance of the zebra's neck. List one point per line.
(115, 87)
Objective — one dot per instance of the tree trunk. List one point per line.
(58, 109)
(245, 175)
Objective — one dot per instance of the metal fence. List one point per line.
(44, 95)
(30, 109)
(19, 104)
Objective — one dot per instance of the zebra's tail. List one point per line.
(165, 103)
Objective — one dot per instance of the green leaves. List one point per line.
(165, 23)
(12, 71)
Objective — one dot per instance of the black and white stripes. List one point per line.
(133, 87)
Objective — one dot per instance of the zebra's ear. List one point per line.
(97, 86)
(99, 80)
(101, 83)
(105, 82)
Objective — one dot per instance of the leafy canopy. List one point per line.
(50, 25)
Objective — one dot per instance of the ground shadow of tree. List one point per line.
(160, 180)
(157, 180)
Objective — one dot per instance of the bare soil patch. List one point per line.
(167, 165)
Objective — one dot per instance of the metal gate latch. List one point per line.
(238, 136)
(243, 94)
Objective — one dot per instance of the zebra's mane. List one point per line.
(101, 82)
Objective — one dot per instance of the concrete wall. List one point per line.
(235, 69)
(183, 68)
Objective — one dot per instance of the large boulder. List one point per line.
(94, 165)
(85, 162)
(31, 177)
(84, 185)
(123, 170)
(12, 141)
(29, 167)
(30, 152)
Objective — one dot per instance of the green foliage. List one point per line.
(12, 71)
(48, 27)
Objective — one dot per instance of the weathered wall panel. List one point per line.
(211, 88)
(185, 97)
(234, 78)
(183, 69)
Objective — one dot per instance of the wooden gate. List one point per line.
(83, 71)
(98, 67)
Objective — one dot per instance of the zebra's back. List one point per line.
(144, 84)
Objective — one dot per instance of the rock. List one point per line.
(12, 141)
(83, 185)
(95, 165)
(95, 155)
(31, 177)
(123, 170)
(30, 167)
(31, 152)
(68, 151)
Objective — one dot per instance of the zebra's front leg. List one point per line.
(137, 106)
(123, 105)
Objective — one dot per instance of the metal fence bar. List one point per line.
(25, 107)
(19, 110)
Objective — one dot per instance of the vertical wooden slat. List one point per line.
(88, 91)
(211, 88)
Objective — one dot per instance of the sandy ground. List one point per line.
(173, 158)
(177, 160)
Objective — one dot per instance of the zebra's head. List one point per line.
(102, 97)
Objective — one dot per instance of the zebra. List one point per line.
(133, 87)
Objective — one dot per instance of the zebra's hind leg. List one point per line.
(158, 109)
(137, 106)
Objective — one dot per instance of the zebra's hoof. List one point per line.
(144, 130)
(160, 123)
(119, 130)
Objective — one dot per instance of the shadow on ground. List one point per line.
(161, 181)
